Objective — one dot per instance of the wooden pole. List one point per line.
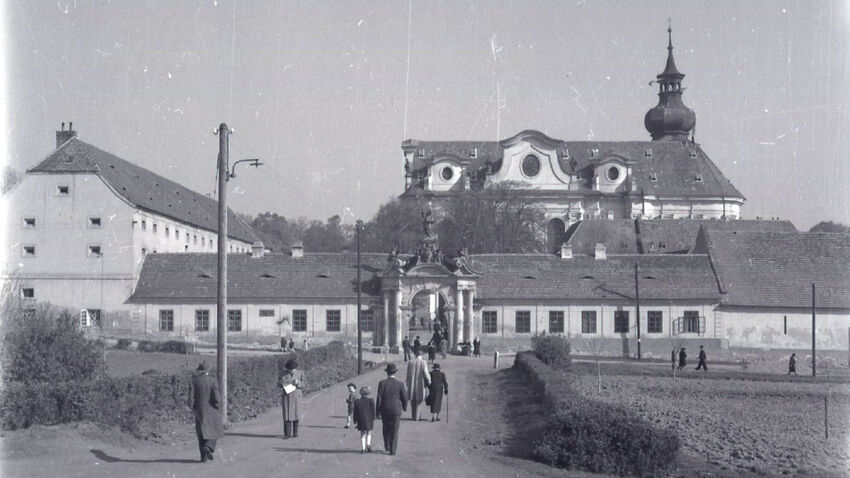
(359, 226)
(826, 415)
(637, 308)
(221, 299)
(814, 348)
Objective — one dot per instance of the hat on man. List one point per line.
(291, 364)
(202, 367)
(418, 352)
(391, 368)
(436, 366)
(365, 390)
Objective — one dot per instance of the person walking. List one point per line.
(683, 358)
(405, 345)
(444, 344)
(364, 418)
(476, 347)
(432, 353)
(439, 387)
(291, 344)
(205, 403)
(418, 380)
(792, 364)
(349, 403)
(390, 403)
(291, 383)
(701, 359)
(417, 345)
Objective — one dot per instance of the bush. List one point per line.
(123, 344)
(553, 350)
(592, 435)
(146, 346)
(169, 346)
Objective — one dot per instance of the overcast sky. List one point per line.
(322, 91)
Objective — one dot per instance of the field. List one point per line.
(122, 363)
(734, 423)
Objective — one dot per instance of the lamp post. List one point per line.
(637, 308)
(358, 227)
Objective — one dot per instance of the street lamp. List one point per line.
(359, 227)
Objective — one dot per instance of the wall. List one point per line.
(765, 327)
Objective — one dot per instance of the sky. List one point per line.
(325, 92)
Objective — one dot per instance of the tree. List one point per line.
(276, 232)
(829, 226)
(396, 225)
(329, 237)
(10, 178)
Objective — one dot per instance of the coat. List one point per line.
(683, 358)
(290, 402)
(417, 345)
(432, 352)
(405, 345)
(418, 379)
(439, 387)
(391, 398)
(364, 413)
(205, 405)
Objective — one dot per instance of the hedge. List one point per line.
(140, 404)
(592, 435)
(169, 346)
(553, 350)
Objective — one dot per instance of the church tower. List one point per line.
(670, 120)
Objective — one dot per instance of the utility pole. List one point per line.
(358, 227)
(221, 303)
(814, 348)
(637, 307)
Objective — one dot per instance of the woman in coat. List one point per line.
(291, 383)
(364, 418)
(439, 387)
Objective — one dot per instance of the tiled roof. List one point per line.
(679, 168)
(270, 279)
(142, 188)
(778, 269)
(544, 276)
(618, 235)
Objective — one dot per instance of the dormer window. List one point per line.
(473, 153)
(693, 154)
(94, 222)
(530, 165)
(594, 152)
(698, 178)
(648, 152)
(613, 173)
(63, 190)
(422, 153)
(565, 153)
(653, 177)
(29, 223)
(447, 173)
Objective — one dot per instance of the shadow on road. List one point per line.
(525, 413)
(251, 435)
(101, 455)
(319, 426)
(316, 450)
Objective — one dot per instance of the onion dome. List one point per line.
(670, 120)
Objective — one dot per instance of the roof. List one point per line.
(778, 269)
(271, 278)
(544, 276)
(618, 235)
(679, 168)
(142, 188)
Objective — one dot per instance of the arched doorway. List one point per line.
(555, 232)
(428, 316)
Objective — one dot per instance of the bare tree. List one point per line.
(595, 346)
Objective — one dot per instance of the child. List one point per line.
(364, 418)
(352, 397)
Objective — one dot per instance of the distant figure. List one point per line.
(205, 405)
(439, 387)
(683, 358)
(391, 402)
(349, 403)
(476, 347)
(291, 383)
(701, 363)
(444, 344)
(417, 345)
(364, 418)
(283, 344)
(673, 358)
(405, 344)
(417, 380)
(306, 347)
(792, 364)
(291, 344)
(432, 353)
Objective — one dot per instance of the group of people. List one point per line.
(683, 359)
(439, 343)
(289, 346)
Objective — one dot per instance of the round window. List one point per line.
(530, 165)
(447, 173)
(613, 173)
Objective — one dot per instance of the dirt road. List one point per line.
(456, 447)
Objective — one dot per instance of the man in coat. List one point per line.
(391, 402)
(205, 405)
(439, 387)
(702, 359)
(683, 358)
(405, 344)
(417, 380)
(417, 345)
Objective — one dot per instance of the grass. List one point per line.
(121, 363)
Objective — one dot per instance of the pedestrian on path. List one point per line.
(432, 353)
(792, 364)
(391, 402)
(291, 383)
(439, 387)
(205, 406)
(364, 418)
(683, 358)
(349, 403)
(417, 380)
(702, 358)
(417, 345)
(476, 347)
(291, 344)
(444, 344)
(405, 345)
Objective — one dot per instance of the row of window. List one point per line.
(92, 250)
(333, 322)
(207, 242)
(690, 322)
(93, 222)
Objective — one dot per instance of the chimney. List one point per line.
(63, 135)
(257, 249)
(297, 249)
(600, 252)
(566, 251)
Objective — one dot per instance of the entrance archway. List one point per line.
(427, 316)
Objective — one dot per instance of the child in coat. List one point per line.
(349, 403)
(364, 418)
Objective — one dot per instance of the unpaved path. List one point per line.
(462, 446)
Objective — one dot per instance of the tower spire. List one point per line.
(670, 119)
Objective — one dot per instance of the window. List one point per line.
(29, 313)
(28, 251)
(530, 165)
(144, 252)
(176, 234)
(613, 173)
(266, 312)
(621, 321)
(299, 320)
(203, 242)
(63, 190)
(144, 225)
(653, 321)
(367, 320)
(95, 317)
(556, 321)
(154, 228)
(195, 239)
(234, 320)
(187, 238)
(489, 322)
(166, 320)
(691, 322)
(523, 322)
(202, 320)
(167, 232)
(94, 251)
(588, 321)
(94, 222)
(28, 293)
(447, 173)
(29, 222)
(332, 321)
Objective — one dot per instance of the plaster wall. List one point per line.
(776, 327)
